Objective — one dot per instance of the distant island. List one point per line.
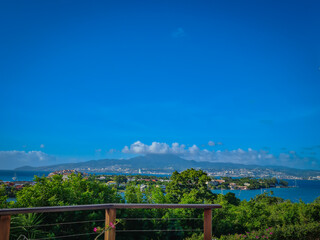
(167, 163)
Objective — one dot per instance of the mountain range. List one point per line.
(167, 163)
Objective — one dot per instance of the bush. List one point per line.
(195, 236)
(309, 231)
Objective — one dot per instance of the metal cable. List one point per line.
(102, 220)
(160, 219)
(163, 230)
(65, 236)
(123, 231)
(53, 224)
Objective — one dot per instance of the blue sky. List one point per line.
(81, 80)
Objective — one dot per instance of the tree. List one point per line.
(58, 192)
(3, 197)
(75, 190)
(133, 194)
(232, 199)
(120, 179)
(181, 184)
(24, 225)
(283, 183)
(317, 200)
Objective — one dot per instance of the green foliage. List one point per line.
(188, 187)
(262, 234)
(283, 183)
(317, 200)
(22, 225)
(182, 184)
(3, 197)
(148, 194)
(267, 198)
(309, 231)
(249, 182)
(265, 211)
(195, 236)
(249, 218)
(231, 199)
(75, 190)
(133, 194)
(120, 179)
(58, 192)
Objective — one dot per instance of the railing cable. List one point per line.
(102, 220)
(65, 236)
(162, 230)
(54, 224)
(141, 219)
(123, 231)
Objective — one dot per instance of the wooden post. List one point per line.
(207, 224)
(110, 217)
(5, 227)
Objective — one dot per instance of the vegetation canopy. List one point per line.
(261, 217)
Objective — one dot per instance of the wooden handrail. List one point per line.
(13, 211)
(110, 210)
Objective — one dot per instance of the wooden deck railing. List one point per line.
(110, 212)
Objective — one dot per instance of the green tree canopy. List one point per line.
(120, 179)
(3, 197)
(56, 191)
(181, 184)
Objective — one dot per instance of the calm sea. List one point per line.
(306, 191)
(7, 175)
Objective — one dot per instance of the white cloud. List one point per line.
(42, 146)
(126, 150)
(249, 156)
(211, 143)
(176, 148)
(194, 149)
(159, 147)
(156, 147)
(13, 159)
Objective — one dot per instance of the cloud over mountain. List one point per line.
(249, 156)
(10, 159)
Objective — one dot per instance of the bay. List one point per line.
(7, 175)
(304, 190)
(307, 191)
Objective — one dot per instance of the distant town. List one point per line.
(121, 181)
(165, 164)
(235, 173)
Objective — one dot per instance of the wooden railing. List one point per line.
(110, 214)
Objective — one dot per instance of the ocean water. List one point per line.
(7, 175)
(307, 191)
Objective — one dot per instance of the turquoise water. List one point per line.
(307, 191)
